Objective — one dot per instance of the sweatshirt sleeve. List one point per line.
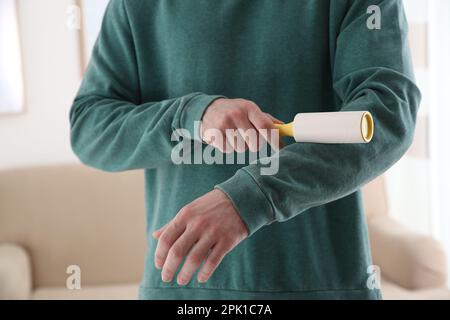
(111, 129)
(371, 71)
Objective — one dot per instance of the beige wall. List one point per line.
(52, 74)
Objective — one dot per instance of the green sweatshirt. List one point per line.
(156, 67)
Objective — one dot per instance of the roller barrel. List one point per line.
(330, 127)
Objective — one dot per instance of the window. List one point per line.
(418, 184)
(11, 81)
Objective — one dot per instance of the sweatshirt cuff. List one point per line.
(193, 113)
(249, 200)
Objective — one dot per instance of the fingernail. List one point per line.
(181, 281)
(158, 263)
(166, 278)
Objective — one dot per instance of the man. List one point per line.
(228, 231)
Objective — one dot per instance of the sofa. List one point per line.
(55, 217)
(413, 266)
(59, 216)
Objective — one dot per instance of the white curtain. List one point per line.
(439, 52)
(419, 184)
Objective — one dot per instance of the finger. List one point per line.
(198, 253)
(227, 145)
(176, 254)
(280, 143)
(218, 140)
(236, 141)
(215, 138)
(157, 233)
(243, 126)
(215, 257)
(280, 138)
(171, 233)
(263, 124)
(274, 120)
(252, 138)
(272, 138)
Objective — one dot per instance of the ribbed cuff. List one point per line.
(193, 112)
(248, 200)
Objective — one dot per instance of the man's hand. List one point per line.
(251, 126)
(205, 231)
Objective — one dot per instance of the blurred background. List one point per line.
(52, 209)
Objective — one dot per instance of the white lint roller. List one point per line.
(330, 127)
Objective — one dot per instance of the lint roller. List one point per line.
(330, 127)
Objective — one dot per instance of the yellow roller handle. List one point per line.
(286, 130)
